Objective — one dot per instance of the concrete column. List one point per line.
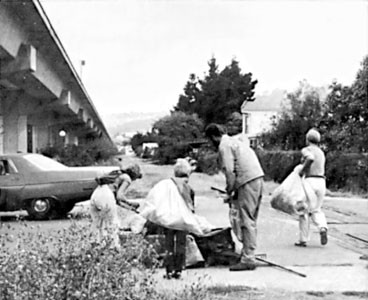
(1, 134)
(10, 124)
(1, 124)
(22, 133)
(72, 138)
(41, 137)
(67, 139)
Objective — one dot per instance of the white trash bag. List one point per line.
(130, 220)
(165, 206)
(103, 205)
(193, 255)
(294, 196)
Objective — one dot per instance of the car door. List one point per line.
(11, 186)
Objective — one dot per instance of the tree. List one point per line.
(139, 138)
(303, 110)
(346, 114)
(219, 94)
(174, 134)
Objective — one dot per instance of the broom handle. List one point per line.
(281, 267)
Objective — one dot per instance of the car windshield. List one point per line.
(44, 163)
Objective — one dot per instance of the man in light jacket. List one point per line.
(244, 185)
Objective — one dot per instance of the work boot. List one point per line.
(176, 274)
(169, 275)
(323, 234)
(248, 266)
(301, 244)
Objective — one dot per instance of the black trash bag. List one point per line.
(218, 247)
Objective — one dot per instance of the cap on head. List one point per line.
(313, 136)
(182, 168)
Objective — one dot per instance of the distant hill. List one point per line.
(131, 122)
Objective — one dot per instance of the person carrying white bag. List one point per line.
(170, 203)
(302, 192)
(313, 170)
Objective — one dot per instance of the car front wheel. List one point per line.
(40, 208)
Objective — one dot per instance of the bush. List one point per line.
(207, 161)
(277, 165)
(81, 155)
(168, 153)
(68, 266)
(347, 171)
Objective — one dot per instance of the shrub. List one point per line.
(347, 171)
(81, 155)
(207, 161)
(277, 165)
(168, 153)
(66, 265)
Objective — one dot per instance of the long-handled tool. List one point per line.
(279, 266)
(261, 257)
(218, 190)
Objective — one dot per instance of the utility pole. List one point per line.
(82, 63)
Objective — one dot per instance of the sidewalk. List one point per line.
(328, 268)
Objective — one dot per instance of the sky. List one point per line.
(139, 54)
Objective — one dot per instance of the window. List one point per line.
(44, 163)
(2, 168)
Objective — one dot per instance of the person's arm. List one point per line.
(120, 193)
(308, 159)
(228, 165)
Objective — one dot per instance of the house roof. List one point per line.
(266, 102)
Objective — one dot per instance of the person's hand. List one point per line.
(227, 197)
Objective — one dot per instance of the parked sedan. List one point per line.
(43, 186)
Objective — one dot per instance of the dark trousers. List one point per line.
(175, 241)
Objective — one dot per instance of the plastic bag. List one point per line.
(165, 206)
(103, 206)
(294, 196)
(130, 220)
(137, 223)
(193, 255)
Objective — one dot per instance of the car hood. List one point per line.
(103, 170)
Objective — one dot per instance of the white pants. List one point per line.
(315, 213)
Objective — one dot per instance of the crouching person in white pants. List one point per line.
(313, 160)
(105, 220)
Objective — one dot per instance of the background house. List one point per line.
(258, 115)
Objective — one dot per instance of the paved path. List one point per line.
(334, 267)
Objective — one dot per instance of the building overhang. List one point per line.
(33, 61)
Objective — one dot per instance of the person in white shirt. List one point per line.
(313, 160)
